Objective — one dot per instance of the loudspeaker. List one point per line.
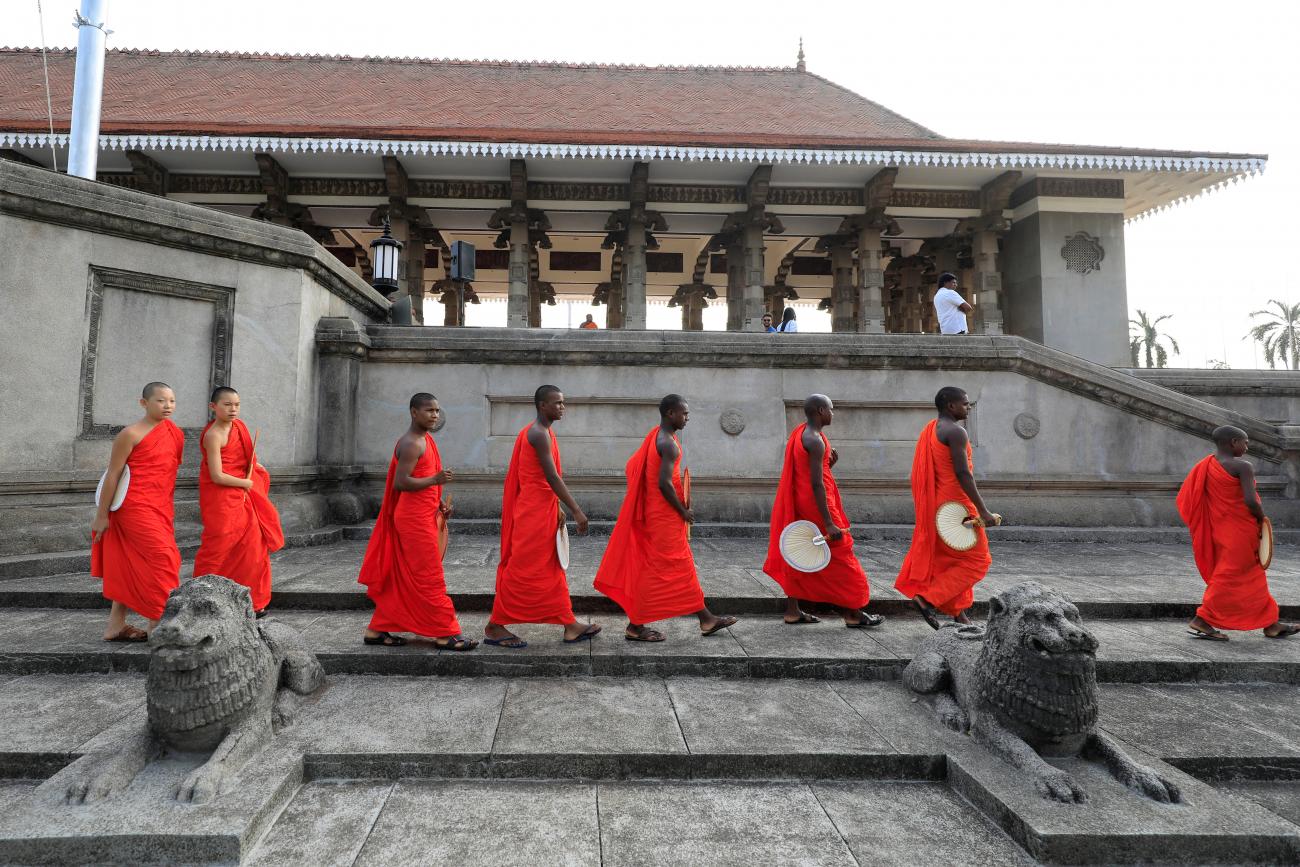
(462, 260)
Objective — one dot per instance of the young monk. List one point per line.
(648, 568)
(531, 584)
(241, 527)
(808, 492)
(1221, 507)
(133, 550)
(936, 577)
(402, 569)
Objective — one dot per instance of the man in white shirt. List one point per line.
(949, 306)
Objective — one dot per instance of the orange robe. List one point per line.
(531, 586)
(240, 528)
(843, 582)
(402, 569)
(1225, 543)
(944, 576)
(137, 557)
(647, 567)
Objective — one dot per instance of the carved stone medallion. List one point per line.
(442, 420)
(732, 421)
(1026, 426)
(1082, 253)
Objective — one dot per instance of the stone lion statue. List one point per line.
(1026, 686)
(219, 681)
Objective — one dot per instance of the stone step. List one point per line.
(57, 641)
(454, 759)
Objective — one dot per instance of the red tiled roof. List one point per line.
(249, 94)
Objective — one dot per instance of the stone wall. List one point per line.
(107, 289)
(1269, 395)
(1057, 440)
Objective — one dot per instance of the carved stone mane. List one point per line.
(184, 699)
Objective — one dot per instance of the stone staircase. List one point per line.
(765, 744)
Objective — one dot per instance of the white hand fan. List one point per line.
(122, 484)
(562, 545)
(956, 526)
(1266, 543)
(803, 547)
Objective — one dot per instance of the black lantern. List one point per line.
(383, 253)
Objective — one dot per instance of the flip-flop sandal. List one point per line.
(130, 634)
(1216, 635)
(1291, 629)
(513, 642)
(458, 644)
(804, 617)
(868, 621)
(723, 623)
(587, 634)
(384, 639)
(926, 611)
(650, 635)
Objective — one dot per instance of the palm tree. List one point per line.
(1281, 336)
(1147, 342)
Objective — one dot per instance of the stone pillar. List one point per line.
(843, 300)
(988, 284)
(614, 304)
(341, 348)
(735, 287)
(634, 289)
(751, 318)
(693, 312)
(412, 267)
(871, 283)
(517, 302)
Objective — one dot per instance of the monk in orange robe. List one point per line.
(241, 526)
(936, 577)
(133, 550)
(1221, 507)
(647, 567)
(531, 584)
(808, 492)
(402, 569)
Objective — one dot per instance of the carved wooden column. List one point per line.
(690, 297)
(517, 297)
(751, 313)
(843, 293)
(988, 283)
(735, 285)
(871, 283)
(634, 275)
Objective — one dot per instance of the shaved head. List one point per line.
(670, 403)
(948, 394)
(815, 403)
(421, 398)
(542, 393)
(221, 391)
(1225, 434)
(152, 388)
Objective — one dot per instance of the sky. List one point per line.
(1189, 75)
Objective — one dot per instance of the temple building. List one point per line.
(629, 187)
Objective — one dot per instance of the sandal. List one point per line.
(1285, 632)
(513, 642)
(646, 634)
(587, 634)
(928, 611)
(130, 633)
(458, 643)
(385, 639)
(1212, 635)
(804, 617)
(868, 621)
(723, 623)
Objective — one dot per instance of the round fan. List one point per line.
(803, 547)
(440, 522)
(562, 545)
(1266, 543)
(956, 526)
(122, 484)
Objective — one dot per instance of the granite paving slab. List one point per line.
(325, 824)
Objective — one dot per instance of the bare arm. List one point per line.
(816, 458)
(964, 307)
(1245, 473)
(540, 440)
(668, 453)
(955, 438)
(122, 445)
(212, 448)
(408, 452)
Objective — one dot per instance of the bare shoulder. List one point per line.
(216, 435)
(130, 435)
(1237, 466)
(812, 442)
(411, 444)
(537, 436)
(950, 433)
(665, 444)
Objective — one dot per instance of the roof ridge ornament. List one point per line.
(800, 65)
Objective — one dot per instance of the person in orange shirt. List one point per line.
(241, 527)
(589, 324)
(647, 567)
(402, 569)
(937, 578)
(807, 491)
(1220, 505)
(531, 584)
(133, 550)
